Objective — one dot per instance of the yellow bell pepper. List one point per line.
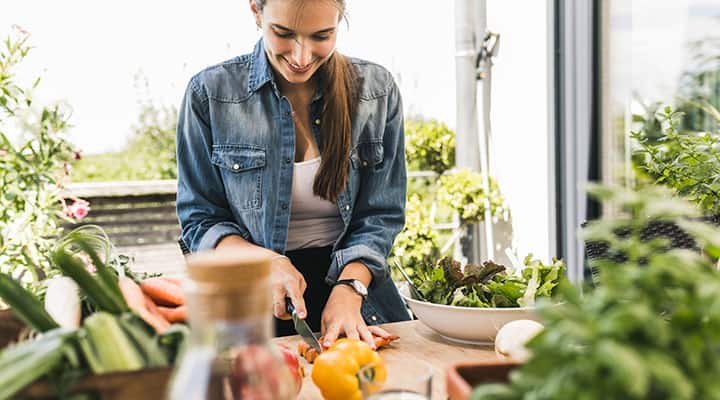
(335, 370)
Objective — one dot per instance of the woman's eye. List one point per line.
(285, 35)
(320, 38)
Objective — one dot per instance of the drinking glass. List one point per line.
(412, 382)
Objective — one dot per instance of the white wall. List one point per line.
(520, 116)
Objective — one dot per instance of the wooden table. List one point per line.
(417, 342)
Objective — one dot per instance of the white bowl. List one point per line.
(469, 325)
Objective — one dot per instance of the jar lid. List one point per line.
(229, 284)
(229, 268)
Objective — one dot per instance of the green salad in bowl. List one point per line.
(471, 303)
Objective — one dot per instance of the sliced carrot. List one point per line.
(381, 341)
(163, 292)
(310, 354)
(174, 314)
(307, 352)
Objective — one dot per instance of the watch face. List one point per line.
(359, 287)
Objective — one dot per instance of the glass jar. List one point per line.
(229, 354)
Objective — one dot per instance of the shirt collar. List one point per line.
(260, 72)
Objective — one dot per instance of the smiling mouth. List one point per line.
(296, 68)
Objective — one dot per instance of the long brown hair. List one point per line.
(338, 83)
(339, 102)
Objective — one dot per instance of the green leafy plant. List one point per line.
(417, 244)
(463, 191)
(651, 330)
(430, 146)
(689, 163)
(489, 285)
(33, 169)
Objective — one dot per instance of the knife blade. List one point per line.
(301, 327)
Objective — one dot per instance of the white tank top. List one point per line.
(314, 221)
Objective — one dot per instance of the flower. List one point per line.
(79, 209)
(21, 29)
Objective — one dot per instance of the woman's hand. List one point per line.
(342, 315)
(286, 280)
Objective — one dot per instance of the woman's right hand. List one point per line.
(287, 281)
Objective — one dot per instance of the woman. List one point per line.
(299, 150)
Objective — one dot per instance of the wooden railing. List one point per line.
(132, 213)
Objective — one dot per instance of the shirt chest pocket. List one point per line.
(242, 168)
(367, 155)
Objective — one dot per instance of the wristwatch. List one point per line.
(356, 285)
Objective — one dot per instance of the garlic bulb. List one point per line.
(511, 338)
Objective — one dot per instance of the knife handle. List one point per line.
(289, 307)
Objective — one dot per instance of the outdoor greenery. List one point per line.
(34, 157)
(687, 162)
(149, 154)
(418, 243)
(675, 139)
(429, 146)
(649, 331)
(463, 192)
(433, 199)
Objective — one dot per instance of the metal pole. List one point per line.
(466, 106)
(484, 91)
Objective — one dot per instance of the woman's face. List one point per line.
(299, 36)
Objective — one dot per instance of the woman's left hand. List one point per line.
(342, 316)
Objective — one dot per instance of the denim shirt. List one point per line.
(236, 152)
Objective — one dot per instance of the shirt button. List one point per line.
(288, 160)
(347, 207)
(317, 121)
(364, 163)
(374, 318)
(236, 167)
(284, 206)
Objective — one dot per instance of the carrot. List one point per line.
(174, 314)
(307, 352)
(163, 292)
(132, 293)
(310, 354)
(381, 341)
(172, 279)
(138, 302)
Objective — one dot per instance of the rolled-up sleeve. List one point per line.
(202, 208)
(379, 210)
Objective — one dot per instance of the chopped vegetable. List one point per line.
(310, 354)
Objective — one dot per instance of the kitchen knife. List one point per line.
(301, 327)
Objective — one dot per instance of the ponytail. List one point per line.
(340, 98)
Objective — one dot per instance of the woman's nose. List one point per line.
(302, 56)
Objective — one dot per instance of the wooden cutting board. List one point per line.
(417, 342)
